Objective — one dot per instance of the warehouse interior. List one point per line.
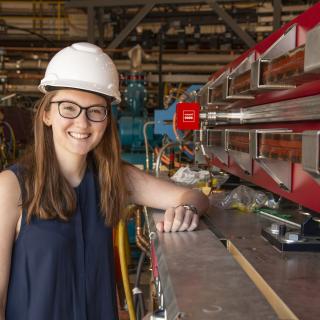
(226, 90)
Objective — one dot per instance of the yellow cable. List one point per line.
(124, 268)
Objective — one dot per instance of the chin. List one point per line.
(80, 151)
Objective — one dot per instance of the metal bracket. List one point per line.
(203, 95)
(311, 54)
(215, 148)
(284, 44)
(244, 66)
(280, 171)
(310, 153)
(243, 159)
(219, 82)
(199, 139)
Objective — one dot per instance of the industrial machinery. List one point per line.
(259, 120)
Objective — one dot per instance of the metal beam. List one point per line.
(277, 9)
(131, 25)
(231, 23)
(100, 13)
(184, 78)
(90, 30)
(119, 3)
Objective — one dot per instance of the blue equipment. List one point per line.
(132, 120)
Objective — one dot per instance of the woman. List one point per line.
(59, 204)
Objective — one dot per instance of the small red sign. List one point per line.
(187, 115)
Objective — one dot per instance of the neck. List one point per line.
(73, 168)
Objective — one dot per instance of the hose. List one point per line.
(138, 295)
(124, 268)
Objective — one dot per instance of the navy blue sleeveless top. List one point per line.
(64, 270)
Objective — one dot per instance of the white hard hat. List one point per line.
(82, 66)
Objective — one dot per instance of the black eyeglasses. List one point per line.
(71, 110)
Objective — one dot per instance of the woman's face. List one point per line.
(80, 135)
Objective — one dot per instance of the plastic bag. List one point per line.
(189, 177)
(199, 178)
(242, 198)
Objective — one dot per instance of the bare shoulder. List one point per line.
(9, 182)
(10, 193)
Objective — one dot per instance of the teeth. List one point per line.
(77, 135)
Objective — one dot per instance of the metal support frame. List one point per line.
(280, 171)
(243, 159)
(231, 23)
(119, 3)
(111, 3)
(311, 153)
(277, 8)
(217, 150)
(91, 16)
(100, 13)
(131, 25)
(199, 139)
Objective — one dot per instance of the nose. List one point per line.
(82, 121)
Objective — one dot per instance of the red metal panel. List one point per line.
(305, 190)
(304, 22)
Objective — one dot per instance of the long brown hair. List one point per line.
(47, 194)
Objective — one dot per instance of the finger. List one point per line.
(160, 226)
(179, 213)
(187, 220)
(194, 223)
(168, 219)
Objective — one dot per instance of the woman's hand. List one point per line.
(178, 219)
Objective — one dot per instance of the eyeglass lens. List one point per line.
(71, 110)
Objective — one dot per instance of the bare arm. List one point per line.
(9, 216)
(158, 193)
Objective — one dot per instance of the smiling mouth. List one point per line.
(79, 136)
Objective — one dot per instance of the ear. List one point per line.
(47, 118)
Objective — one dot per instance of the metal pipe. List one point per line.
(160, 85)
(170, 144)
(122, 65)
(193, 58)
(139, 228)
(146, 143)
(20, 88)
(141, 241)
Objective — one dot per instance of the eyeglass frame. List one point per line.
(81, 108)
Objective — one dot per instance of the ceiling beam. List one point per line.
(119, 3)
(231, 23)
(144, 11)
(131, 25)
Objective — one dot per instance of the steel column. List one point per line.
(231, 23)
(131, 25)
(100, 13)
(91, 14)
(277, 8)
